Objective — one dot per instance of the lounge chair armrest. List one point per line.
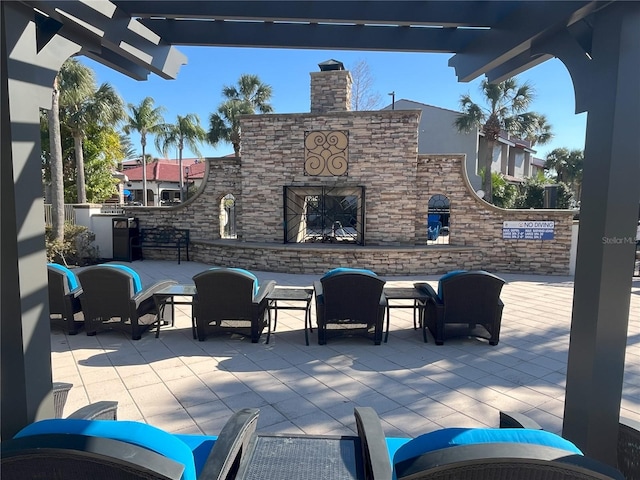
(265, 289)
(104, 410)
(232, 441)
(375, 455)
(76, 292)
(517, 420)
(426, 288)
(317, 287)
(149, 291)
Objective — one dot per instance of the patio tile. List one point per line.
(183, 385)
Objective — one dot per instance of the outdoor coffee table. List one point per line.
(167, 296)
(403, 293)
(281, 457)
(289, 295)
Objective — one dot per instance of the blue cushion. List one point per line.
(393, 444)
(450, 274)
(72, 281)
(201, 446)
(136, 433)
(433, 218)
(450, 437)
(256, 286)
(137, 284)
(347, 270)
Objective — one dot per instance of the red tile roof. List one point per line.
(167, 170)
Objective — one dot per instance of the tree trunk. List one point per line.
(181, 176)
(80, 182)
(57, 178)
(486, 182)
(144, 173)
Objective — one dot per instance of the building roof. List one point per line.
(167, 171)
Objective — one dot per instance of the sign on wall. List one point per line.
(528, 230)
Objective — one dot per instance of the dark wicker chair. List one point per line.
(104, 410)
(503, 460)
(350, 301)
(60, 393)
(226, 301)
(628, 440)
(468, 300)
(113, 298)
(629, 448)
(64, 297)
(73, 455)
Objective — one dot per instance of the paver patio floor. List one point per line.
(183, 385)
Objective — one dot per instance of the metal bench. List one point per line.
(163, 237)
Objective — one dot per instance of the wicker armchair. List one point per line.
(350, 300)
(628, 440)
(104, 410)
(467, 300)
(64, 297)
(125, 450)
(113, 297)
(471, 453)
(227, 300)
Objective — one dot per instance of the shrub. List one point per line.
(75, 249)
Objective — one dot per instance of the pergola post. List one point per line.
(25, 342)
(608, 87)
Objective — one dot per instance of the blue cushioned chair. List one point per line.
(350, 300)
(467, 303)
(113, 297)
(434, 225)
(82, 449)
(488, 453)
(64, 297)
(231, 300)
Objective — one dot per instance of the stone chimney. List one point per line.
(331, 88)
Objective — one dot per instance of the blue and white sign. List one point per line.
(539, 230)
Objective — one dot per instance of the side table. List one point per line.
(167, 296)
(291, 294)
(403, 293)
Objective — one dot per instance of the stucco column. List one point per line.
(607, 86)
(26, 85)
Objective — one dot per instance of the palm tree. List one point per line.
(568, 166)
(84, 105)
(69, 79)
(505, 102)
(185, 132)
(250, 95)
(145, 119)
(535, 128)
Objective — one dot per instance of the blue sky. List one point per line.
(420, 77)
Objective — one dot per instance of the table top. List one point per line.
(178, 290)
(291, 293)
(312, 458)
(403, 293)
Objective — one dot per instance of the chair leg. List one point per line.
(322, 338)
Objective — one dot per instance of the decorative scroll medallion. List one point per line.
(326, 153)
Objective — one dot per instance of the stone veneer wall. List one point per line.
(475, 226)
(201, 213)
(330, 91)
(478, 224)
(382, 157)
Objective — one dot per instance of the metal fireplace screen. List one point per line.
(324, 214)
